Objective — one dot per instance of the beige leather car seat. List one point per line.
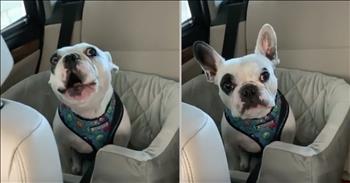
(141, 36)
(202, 156)
(28, 147)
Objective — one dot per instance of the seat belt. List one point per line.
(67, 23)
(254, 174)
(86, 178)
(233, 19)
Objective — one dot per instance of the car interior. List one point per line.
(148, 85)
(313, 45)
(175, 113)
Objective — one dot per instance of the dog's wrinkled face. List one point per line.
(247, 85)
(80, 72)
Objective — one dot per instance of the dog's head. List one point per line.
(247, 85)
(80, 73)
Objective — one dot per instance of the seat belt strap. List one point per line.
(233, 19)
(86, 178)
(67, 24)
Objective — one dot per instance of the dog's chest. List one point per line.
(237, 138)
(257, 131)
(95, 132)
(65, 137)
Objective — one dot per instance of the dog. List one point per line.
(90, 114)
(256, 113)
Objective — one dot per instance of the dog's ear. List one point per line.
(114, 67)
(208, 59)
(266, 44)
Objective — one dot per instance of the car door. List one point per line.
(32, 29)
(22, 30)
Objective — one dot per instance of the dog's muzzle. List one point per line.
(249, 94)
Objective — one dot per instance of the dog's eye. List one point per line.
(264, 76)
(54, 59)
(91, 52)
(227, 84)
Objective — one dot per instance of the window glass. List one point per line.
(185, 11)
(11, 11)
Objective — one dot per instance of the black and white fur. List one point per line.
(233, 78)
(93, 67)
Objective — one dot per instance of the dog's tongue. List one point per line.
(80, 92)
(75, 90)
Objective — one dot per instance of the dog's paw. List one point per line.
(76, 169)
(243, 165)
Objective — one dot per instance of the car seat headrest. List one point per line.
(6, 61)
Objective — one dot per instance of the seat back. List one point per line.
(141, 36)
(28, 147)
(312, 36)
(200, 143)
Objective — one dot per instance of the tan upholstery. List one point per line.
(202, 157)
(311, 35)
(28, 148)
(141, 36)
(153, 154)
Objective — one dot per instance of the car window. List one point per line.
(185, 11)
(11, 11)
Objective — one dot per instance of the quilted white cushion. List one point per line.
(149, 100)
(312, 97)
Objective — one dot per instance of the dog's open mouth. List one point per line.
(76, 88)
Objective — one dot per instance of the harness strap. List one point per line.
(117, 116)
(86, 178)
(283, 117)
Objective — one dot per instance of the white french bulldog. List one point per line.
(91, 114)
(256, 113)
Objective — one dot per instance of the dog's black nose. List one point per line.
(70, 61)
(248, 92)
